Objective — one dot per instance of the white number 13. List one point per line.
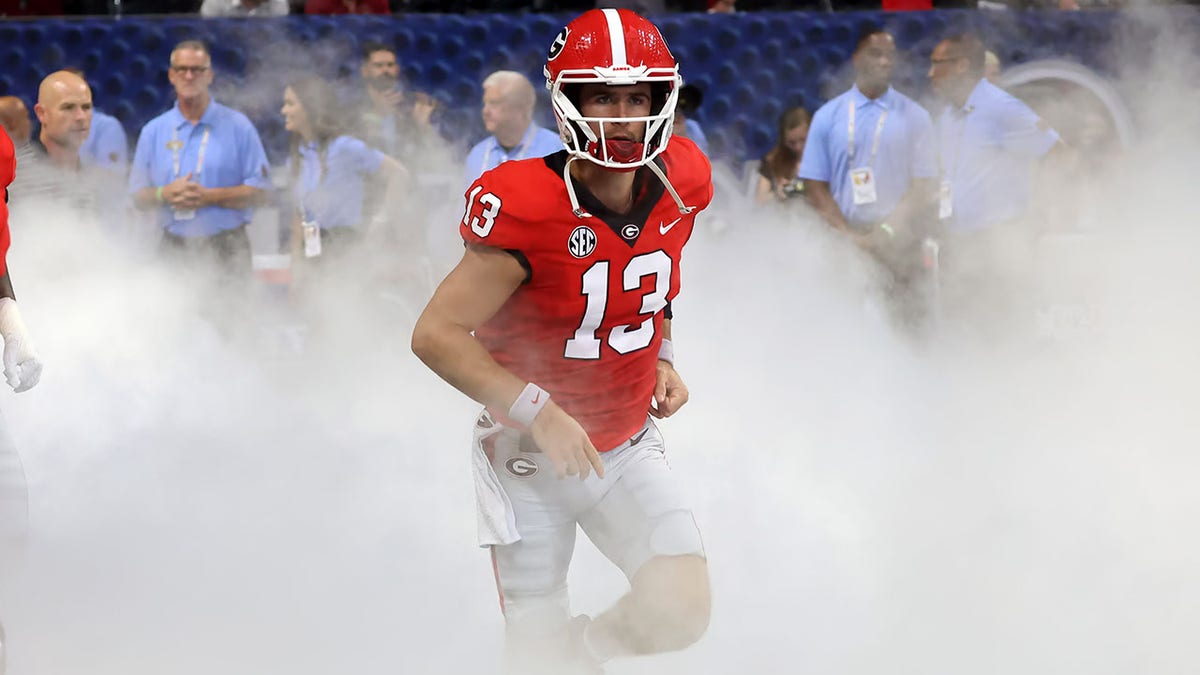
(624, 339)
(491, 207)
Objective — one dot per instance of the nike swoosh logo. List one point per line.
(663, 229)
(634, 441)
(538, 397)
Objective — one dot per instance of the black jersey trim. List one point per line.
(646, 186)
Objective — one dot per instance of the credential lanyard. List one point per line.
(177, 150)
(874, 144)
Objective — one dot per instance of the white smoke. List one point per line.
(869, 502)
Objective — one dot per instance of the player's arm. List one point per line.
(670, 393)
(22, 367)
(471, 294)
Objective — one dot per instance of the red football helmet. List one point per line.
(615, 47)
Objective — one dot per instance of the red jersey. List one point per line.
(8, 170)
(586, 325)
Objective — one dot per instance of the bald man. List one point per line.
(53, 174)
(64, 109)
(508, 102)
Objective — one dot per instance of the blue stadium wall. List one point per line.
(750, 66)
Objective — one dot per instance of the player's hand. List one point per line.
(22, 367)
(670, 393)
(564, 441)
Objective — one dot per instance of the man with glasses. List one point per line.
(200, 168)
(990, 146)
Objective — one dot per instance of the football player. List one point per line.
(22, 369)
(558, 320)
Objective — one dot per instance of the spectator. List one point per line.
(346, 7)
(508, 102)
(722, 6)
(990, 144)
(686, 126)
(14, 117)
(779, 171)
(200, 167)
(989, 141)
(869, 166)
(328, 171)
(991, 67)
(53, 172)
(391, 119)
(106, 146)
(244, 8)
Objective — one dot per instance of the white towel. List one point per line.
(497, 523)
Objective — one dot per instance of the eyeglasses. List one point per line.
(194, 70)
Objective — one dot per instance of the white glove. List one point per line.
(22, 367)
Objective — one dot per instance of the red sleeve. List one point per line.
(690, 172)
(8, 170)
(378, 7)
(490, 220)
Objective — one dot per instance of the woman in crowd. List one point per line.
(329, 176)
(778, 180)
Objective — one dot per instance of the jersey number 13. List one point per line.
(624, 338)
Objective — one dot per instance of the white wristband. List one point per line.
(667, 352)
(531, 401)
(11, 324)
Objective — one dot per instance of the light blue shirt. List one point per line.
(989, 148)
(489, 154)
(904, 151)
(695, 133)
(106, 146)
(170, 146)
(335, 199)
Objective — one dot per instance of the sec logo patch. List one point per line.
(582, 241)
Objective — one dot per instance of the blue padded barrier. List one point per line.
(751, 66)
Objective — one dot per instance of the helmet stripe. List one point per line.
(616, 36)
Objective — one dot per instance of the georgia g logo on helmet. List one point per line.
(556, 47)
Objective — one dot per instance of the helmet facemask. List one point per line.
(584, 142)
